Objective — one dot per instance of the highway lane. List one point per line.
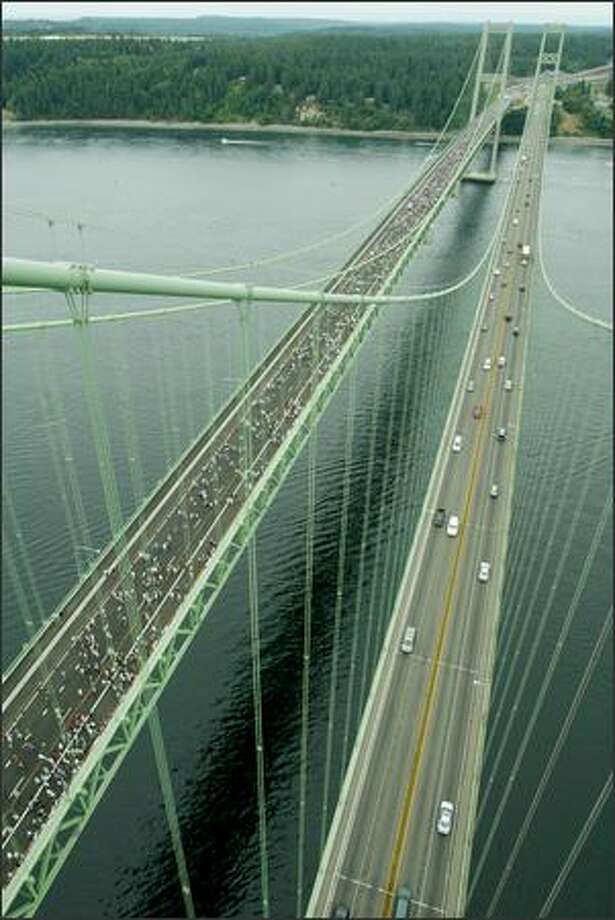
(427, 745)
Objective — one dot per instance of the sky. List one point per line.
(584, 13)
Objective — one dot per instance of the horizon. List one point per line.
(590, 14)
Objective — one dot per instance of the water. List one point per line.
(174, 201)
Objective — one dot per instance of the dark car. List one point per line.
(341, 911)
(439, 518)
(515, 330)
(477, 411)
(402, 902)
(508, 317)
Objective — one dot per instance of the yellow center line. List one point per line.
(404, 818)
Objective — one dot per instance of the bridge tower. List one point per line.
(550, 57)
(495, 86)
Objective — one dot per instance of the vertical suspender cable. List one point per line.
(371, 650)
(307, 614)
(545, 777)
(398, 499)
(586, 830)
(339, 597)
(245, 314)
(354, 653)
(112, 501)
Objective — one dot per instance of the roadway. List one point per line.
(423, 736)
(63, 691)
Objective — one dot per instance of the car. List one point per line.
(484, 327)
(457, 443)
(501, 360)
(452, 528)
(402, 903)
(470, 387)
(515, 222)
(508, 317)
(492, 296)
(477, 411)
(439, 518)
(407, 643)
(445, 818)
(487, 364)
(500, 434)
(483, 571)
(508, 384)
(341, 912)
(494, 491)
(522, 288)
(497, 272)
(524, 261)
(515, 330)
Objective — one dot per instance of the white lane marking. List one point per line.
(356, 881)
(447, 664)
(438, 910)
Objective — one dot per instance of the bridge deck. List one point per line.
(422, 735)
(65, 689)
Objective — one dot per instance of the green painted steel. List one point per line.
(32, 879)
(255, 644)
(497, 82)
(307, 626)
(339, 597)
(83, 279)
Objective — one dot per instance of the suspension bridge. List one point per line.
(79, 693)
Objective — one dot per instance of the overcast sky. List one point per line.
(571, 13)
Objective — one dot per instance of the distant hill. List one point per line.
(237, 26)
(200, 25)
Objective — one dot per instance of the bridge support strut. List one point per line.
(494, 85)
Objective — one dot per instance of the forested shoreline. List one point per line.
(342, 80)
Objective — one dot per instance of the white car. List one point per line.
(407, 643)
(470, 386)
(487, 364)
(502, 361)
(508, 384)
(494, 491)
(445, 818)
(456, 443)
(515, 221)
(496, 272)
(483, 571)
(452, 528)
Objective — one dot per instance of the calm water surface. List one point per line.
(165, 201)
